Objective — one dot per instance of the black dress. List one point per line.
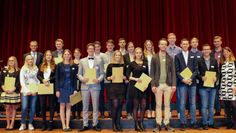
(115, 90)
(136, 70)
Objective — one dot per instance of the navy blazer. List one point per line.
(60, 75)
(202, 68)
(180, 66)
(39, 59)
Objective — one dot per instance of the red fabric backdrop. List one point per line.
(78, 22)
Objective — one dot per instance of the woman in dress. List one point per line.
(10, 98)
(116, 91)
(46, 75)
(65, 87)
(137, 67)
(28, 81)
(228, 86)
(148, 53)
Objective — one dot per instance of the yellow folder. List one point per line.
(90, 73)
(33, 87)
(144, 84)
(58, 60)
(9, 83)
(45, 90)
(209, 82)
(186, 73)
(118, 73)
(75, 98)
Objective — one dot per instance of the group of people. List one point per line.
(165, 67)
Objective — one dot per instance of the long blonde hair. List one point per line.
(138, 48)
(26, 66)
(15, 63)
(45, 63)
(145, 48)
(113, 57)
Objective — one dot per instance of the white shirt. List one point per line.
(47, 73)
(149, 58)
(185, 54)
(34, 55)
(91, 62)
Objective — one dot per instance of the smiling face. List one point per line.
(206, 50)
(117, 56)
(59, 45)
(138, 53)
(110, 47)
(217, 42)
(97, 48)
(184, 45)
(90, 50)
(29, 60)
(48, 56)
(130, 47)
(148, 46)
(122, 43)
(11, 62)
(33, 46)
(171, 39)
(194, 43)
(226, 54)
(77, 54)
(162, 45)
(67, 55)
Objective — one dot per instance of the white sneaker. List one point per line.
(129, 117)
(179, 115)
(30, 127)
(22, 127)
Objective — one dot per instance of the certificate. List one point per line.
(58, 60)
(209, 82)
(33, 87)
(186, 73)
(144, 84)
(90, 73)
(75, 98)
(45, 90)
(9, 83)
(118, 73)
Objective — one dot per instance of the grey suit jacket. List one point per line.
(155, 71)
(99, 72)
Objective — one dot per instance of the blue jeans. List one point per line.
(208, 101)
(191, 91)
(25, 101)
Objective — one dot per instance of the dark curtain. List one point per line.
(79, 22)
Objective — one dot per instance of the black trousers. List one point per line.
(230, 110)
(44, 99)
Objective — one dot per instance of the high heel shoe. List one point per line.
(114, 127)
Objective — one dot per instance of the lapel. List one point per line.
(182, 59)
(189, 57)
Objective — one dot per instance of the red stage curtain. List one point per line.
(79, 22)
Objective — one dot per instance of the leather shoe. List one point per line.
(97, 127)
(84, 128)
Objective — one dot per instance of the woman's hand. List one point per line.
(58, 94)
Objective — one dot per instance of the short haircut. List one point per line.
(184, 39)
(162, 39)
(217, 37)
(171, 34)
(110, 41)
(59, 40)
(34, 42)
(120, 39)
(97, 42)
(206, 45)
(194, 38)
(90, 44)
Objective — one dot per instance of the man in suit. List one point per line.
(104, 60)
(207, 63)
(38, 59)
(217, 52)
(163, 83)
(38, 56)
(122, 44)
(183, 60)
(92, 89)
(59, 43)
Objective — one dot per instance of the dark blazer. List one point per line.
(41, 77)
(60, 75)
(55, 53)
(155, 71)
(180, 66)
(39, 59)
(4, 73)
(202, 68)
(126, 60)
